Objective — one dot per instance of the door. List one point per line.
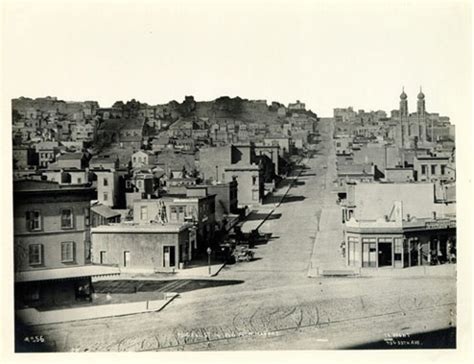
(369, 252)
(414, 253)
(126, 259)
(102, 257)
(168, 256)
(385, 254)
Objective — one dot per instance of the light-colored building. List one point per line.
(399, 240)
(434, 168)
(142, 248)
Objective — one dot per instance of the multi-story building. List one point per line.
(52, 243)
(195, 206)
(434, 168)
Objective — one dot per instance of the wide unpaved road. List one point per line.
(276, 306)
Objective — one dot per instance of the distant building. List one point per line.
(47, 152)
(104, 215)
(297, 106)
(76, 160)
(24, 157)
(433, 168)
(399, 174)
(226, 199)
(282, 141)
(125, 133)
(350, 173)
(142, 158)
(104, 162)
(238, 163)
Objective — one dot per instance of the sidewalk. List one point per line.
(329, 233)
(326, 254)
(32, 316)
(268, 209)
(444, 270)
(187, 273)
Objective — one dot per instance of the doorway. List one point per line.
(385, 254)
(169, 256)
(126, 258)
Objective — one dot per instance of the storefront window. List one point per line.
(398, 250)
(353, 252)
(369, 252)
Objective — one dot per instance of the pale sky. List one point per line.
(327, 54)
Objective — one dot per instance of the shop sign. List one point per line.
(440, 225)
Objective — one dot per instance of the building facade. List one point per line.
(52, 243)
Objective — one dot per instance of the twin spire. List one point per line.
(404, 96)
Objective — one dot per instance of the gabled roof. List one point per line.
(184, 123)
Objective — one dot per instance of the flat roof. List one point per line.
(105, 211)
(66, 273)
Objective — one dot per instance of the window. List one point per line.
(102, 257)
(33, 219)
(68, 252)
(106, 196)
(143, 212)
(433, 169)
(398, 251)
(79, 180)
(254, 180)
(255, 195)
(35, 254)
(87, 216)
(126, 258)
(423, 169)
(443, 169)
(66, 219)
(173, 213)
(180, 212)
(106, 182)
(369, 251)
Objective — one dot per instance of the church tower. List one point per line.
(404, 126)
(421, 115)
(403, 103)
(420, 103)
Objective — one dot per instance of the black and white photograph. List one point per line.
(249, 177)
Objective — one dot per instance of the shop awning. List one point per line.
(66, 273)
